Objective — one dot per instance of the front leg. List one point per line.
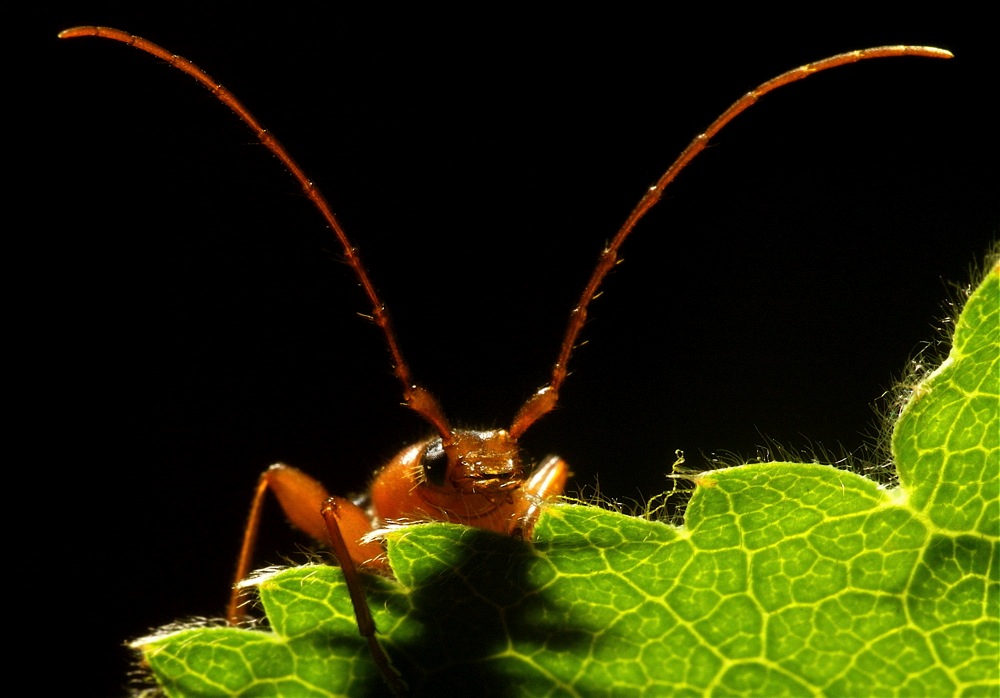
(302, 498)
(547, 481)
(337, 518)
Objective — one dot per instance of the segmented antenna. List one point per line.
(545, 399)
(416, 397)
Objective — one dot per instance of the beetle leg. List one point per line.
(301, 498)
(337, 515)
(548, 480)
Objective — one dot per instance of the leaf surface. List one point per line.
(785, 579)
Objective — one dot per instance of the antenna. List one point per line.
(545, 399)
(417, 398)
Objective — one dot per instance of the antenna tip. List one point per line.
(74, 32)
(940, 52)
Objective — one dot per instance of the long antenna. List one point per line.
(416, 397)
(546, 398)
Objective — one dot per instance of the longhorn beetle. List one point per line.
(472, 477)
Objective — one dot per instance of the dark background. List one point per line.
(188, 322)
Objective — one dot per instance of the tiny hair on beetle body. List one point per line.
(258, 355)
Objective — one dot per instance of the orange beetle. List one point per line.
(463, 476)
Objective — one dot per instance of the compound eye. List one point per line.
(434, 463)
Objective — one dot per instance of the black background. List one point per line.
(188, 322)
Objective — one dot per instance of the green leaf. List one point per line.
(785, 579)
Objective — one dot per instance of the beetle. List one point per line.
(473, 477)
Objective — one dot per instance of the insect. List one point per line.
(473, 477)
